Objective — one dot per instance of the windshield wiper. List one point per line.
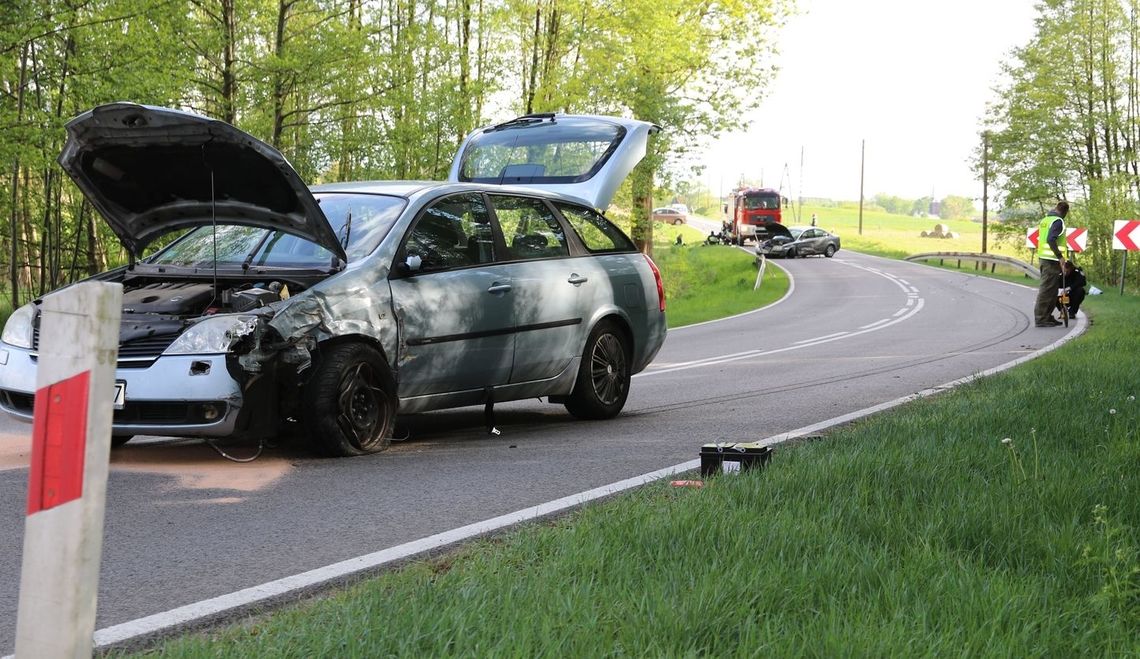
(525, 120)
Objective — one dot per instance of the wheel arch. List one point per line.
(621, 319)
(389, 374)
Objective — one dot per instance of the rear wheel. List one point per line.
(678, 222)
(603, 376)
(349, 401)
(830, 251)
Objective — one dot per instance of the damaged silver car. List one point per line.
(341, 306)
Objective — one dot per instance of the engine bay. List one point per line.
(191, 299)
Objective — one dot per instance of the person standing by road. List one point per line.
(1050, 259)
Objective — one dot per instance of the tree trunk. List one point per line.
(642, 188)
(14, 217)
(229, 57)
(531, 78)
(283, 7)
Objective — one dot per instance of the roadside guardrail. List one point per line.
(992, 260)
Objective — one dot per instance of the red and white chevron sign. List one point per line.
(1126, 235)
(1075, 238)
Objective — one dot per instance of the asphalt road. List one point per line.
(184, 525)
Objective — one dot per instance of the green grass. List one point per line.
(912, 533)
(896, 236)
(713, 281)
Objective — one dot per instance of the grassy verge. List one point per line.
(917, 532)
(713, 281)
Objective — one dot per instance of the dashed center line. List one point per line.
(914, 304)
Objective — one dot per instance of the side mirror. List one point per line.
(410, 265)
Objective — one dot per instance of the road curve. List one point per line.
(184, 525)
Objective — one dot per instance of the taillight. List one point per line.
(660, 284)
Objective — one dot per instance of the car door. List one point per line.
(547, 287)
(811, 241)
(454, 301)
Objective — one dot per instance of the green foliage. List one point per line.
(954, 207)
(352, 90)
(1065, 127)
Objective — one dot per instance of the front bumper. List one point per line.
(177, 395)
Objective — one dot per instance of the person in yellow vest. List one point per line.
(1050, 230)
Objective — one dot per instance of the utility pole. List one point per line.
(985, 187)
(862, 162)
(801, 186)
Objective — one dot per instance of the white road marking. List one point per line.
(820, 338)
(913, 305)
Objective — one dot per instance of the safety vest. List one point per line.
(1043, 251)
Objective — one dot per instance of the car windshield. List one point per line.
(796, 233)
(532, 150)
(360, 221)
(761, 203)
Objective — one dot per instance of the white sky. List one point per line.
(911, 77)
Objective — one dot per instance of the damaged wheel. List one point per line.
(349, 401)
(603, 376)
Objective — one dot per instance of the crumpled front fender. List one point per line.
(354, 303)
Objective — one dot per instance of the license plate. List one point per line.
(120, 394)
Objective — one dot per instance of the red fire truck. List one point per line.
(749, 209)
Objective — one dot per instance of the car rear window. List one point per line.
(597, 233)
(540, 150)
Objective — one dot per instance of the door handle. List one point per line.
(577, 279)
(498, 288)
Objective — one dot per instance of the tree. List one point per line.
(694, 68)
(1068, 123)
(954, 207)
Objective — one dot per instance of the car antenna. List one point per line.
(213, 225)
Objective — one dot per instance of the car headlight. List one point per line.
(212, 335)
(18, 330)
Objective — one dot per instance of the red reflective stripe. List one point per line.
(1124, 235)
(59, 442)
(1073, 237)
(1032, 237)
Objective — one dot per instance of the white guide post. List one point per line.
(67, 482)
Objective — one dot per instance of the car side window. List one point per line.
(529, 227)
(454, 232)
(597, 233)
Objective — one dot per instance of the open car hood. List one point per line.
(583, 156)
(151, 170)
(775, 229)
